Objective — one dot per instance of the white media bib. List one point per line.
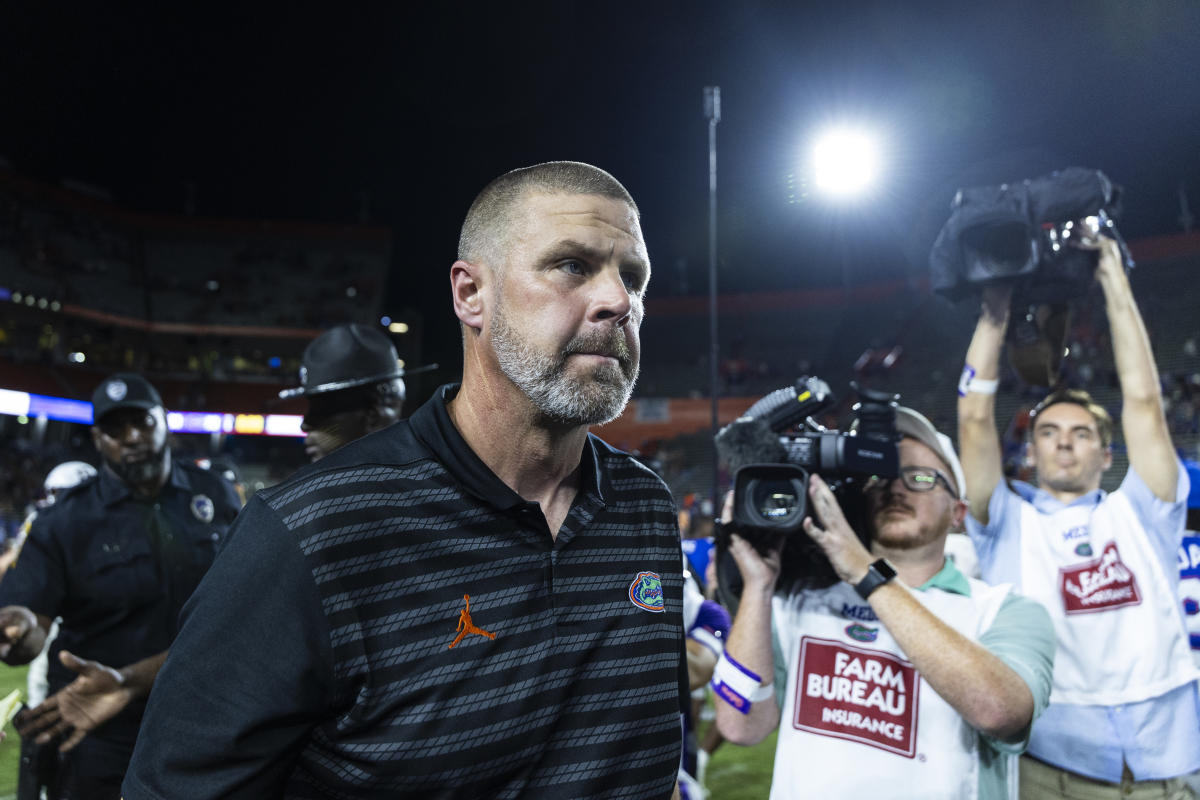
(858, 720)
(1112, 605)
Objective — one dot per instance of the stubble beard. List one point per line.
(598, 397)
(142, 471)
(907, 538)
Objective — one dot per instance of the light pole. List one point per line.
(712, 112)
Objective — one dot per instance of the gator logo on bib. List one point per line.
(862, 633)
(864, 696)
(1099, 585)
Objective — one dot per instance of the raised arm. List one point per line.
(750, 645)
(978, 439)
(990, 696)
(749, 642)
(1151, 454)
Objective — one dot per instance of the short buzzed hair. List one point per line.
(491, 214)
(1079, 397)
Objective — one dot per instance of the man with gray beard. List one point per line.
(483, 600)
(553, 392)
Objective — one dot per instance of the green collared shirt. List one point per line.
(948, 579)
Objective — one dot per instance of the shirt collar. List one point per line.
(431, 424)
(1047, 503)
(948, 579)
(112, 489)
(179, 478)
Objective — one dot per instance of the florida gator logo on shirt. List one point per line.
(646, 592)
(862, 633)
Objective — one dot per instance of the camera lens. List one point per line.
(780, 502)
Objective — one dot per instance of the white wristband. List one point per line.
(969, 383)
(738, 686)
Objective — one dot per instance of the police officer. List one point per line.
(115, 559)
(352, 378)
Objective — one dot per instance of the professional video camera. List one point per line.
(773, 449)
(1025, 234)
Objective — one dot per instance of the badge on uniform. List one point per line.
(203, 508)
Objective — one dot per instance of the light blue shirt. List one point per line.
(1158, 738)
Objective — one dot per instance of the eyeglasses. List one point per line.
(915, 479)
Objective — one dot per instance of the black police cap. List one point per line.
(123, 390)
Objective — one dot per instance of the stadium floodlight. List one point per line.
(845, 162)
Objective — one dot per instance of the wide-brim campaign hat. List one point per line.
(123, 390)
(345, 357)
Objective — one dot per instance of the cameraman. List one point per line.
(905, 679)
(1125, 710)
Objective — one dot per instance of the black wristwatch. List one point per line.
(878, 574)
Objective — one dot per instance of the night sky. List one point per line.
(301, 115)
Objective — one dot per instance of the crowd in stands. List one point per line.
(66, 256)
(73, 248)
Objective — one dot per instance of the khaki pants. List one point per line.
(1040, 781)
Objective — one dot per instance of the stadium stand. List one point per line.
(211, 311)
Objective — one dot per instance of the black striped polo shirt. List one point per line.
(407, 627)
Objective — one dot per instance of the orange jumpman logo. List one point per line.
(465, 625)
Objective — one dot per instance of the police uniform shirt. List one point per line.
(395, 622)
(118, 569)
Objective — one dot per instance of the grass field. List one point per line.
(735, 773)
(10, 749)
(741, 773)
